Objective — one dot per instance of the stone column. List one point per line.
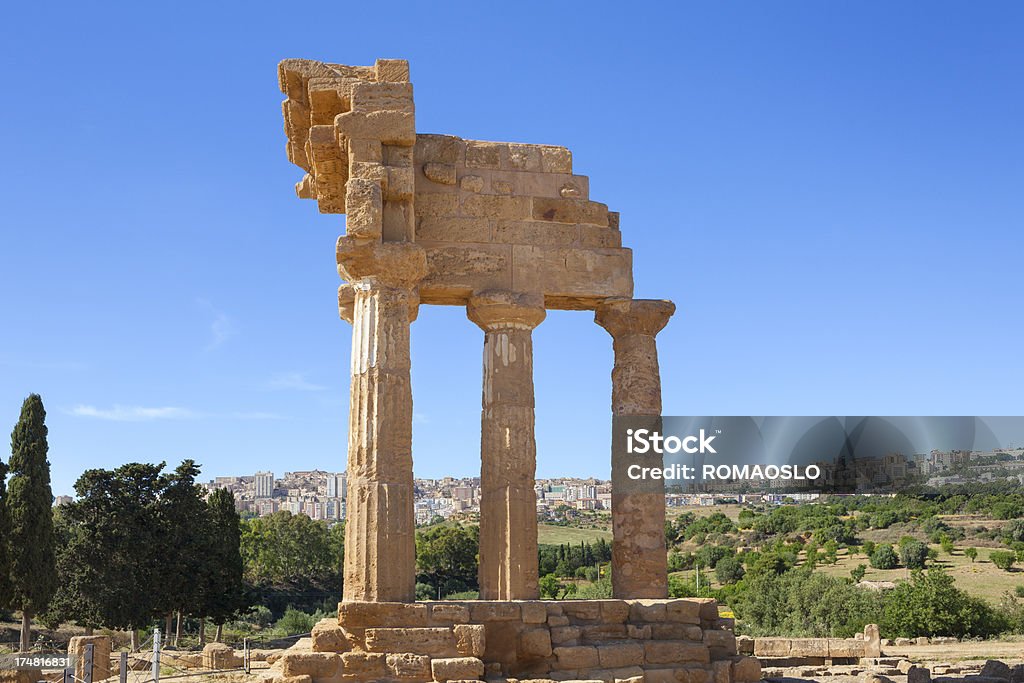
(380, 302)
(508, 450)
(639, 562)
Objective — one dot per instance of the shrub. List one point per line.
(930, 605)
(857, 573)
(295, 622)
(971, 553)
(1003, 559)
(868, 548)
(804, 603)
(884, 557)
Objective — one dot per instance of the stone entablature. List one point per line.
(656, 641)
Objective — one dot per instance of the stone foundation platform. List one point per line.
(638, 641)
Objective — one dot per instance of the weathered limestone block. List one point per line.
(536, 233)
(570, 211)
(471, 183)
(621, 654)
(391, 70)
(328, 636)
(772, 647)
(639, 632)
(675, 631)
(408, 665)
(371, 614)
(486, 611)
(563, 635)
(484, 154)
(100, 656)
(555, 159)
(746, 670)
(314, 664)
(535, 642)
(453, 229)
(744, 645)
(435, 642)
(809, 647)
(495, 206)
(390, 127)
(614, 611)
(443, 174)
(220, 656)
(455, 271)
(470, 639)
(675, 652)
(581, 610)
(920, 674)
(534, 612)
(456, 668)
(647, 610)
(566, 273)
(441, 613)
(364, 665)
(845, 648)
(598, 633)
(576, 657)
(721, 671)
(723, 643)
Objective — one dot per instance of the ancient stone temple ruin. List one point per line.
(508, 231)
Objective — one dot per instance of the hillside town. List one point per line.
(321, 495)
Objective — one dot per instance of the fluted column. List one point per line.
(380, 302)
(508, 450)
(639, 562)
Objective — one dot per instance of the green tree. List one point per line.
(29, 500)
(182, 519)
(446, 558)
(729, 570)
(1003, 559)
(550, 587)
(223, 589)
(913, 555)
(857, 573)
(884, 557)
(971, 553)
(868, 548)
(109, 564)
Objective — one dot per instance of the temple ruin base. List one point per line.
(639, 641)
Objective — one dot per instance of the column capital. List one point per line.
(624, 317)
(347, 303)
(399, 265)
(496, 309)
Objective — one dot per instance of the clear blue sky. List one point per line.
(832, 194)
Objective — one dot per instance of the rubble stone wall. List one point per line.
(609, 640)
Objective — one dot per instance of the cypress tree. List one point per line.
(29, 506)
(221, 576)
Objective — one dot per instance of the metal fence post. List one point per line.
(87, 663)
(123, 669)
(245, 655)
(69, 675)
(156, 655)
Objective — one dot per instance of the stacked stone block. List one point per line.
(608, 640)
(508, 216)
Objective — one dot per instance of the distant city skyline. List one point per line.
(830, 195)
